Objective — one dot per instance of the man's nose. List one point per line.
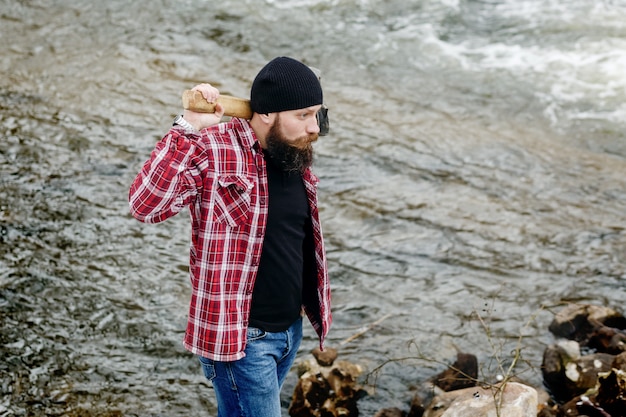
(313, 127)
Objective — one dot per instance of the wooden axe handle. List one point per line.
(233, 106)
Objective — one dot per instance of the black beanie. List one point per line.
(285, 84)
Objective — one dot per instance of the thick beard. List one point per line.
(290, 156)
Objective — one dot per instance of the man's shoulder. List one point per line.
(230, 133)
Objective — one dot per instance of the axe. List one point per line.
(239, 107)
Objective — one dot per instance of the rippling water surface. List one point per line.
(476, 166)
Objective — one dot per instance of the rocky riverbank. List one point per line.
(584, 374)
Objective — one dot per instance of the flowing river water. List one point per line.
(473, 181)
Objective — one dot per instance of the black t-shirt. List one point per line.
(277, 295)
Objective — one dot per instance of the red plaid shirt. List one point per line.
(221, 175)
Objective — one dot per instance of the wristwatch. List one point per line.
(178, 120)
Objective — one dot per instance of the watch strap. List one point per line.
(180, 121)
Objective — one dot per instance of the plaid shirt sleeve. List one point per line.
(169, 180)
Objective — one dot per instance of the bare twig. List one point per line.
(364, 330)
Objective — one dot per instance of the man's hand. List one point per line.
(202, 120)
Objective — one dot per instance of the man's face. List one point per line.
(289, 140)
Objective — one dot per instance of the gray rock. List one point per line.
(516, 400)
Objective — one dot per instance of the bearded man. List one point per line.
(257, 258)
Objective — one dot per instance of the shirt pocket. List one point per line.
(232, 201)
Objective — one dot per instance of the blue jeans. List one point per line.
(250, 387)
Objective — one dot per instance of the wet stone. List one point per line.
(566, 377)
(325, 357)
(578, 321)
(463, 373)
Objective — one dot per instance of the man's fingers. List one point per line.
(209, 92)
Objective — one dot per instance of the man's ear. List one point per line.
(267, 118)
